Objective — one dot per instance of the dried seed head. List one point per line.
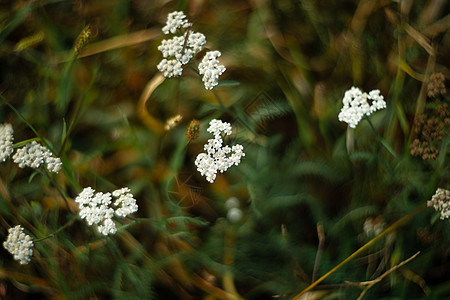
(193, 130)
(436, 85)
(82, 40)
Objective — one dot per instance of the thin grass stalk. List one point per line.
(388, 230)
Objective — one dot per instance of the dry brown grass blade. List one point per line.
(369, 284)
(431, 10)
(25, 278)
(438, 27)
(121, 41)
(151, 122)
(411, 276)
(419, 38)
(421, 99)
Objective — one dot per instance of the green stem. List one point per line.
(70, 222)
(380, 139)
(388, 230)
(350, 142)
(28, 123)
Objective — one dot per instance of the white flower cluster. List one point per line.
(211, 69)
(6, 141)
(357, 104)
(217, 156)
(96, 208)
(33, 155)
(234, 213)
(19, 244)
(441, 202)
(178, 50)
(175, 20)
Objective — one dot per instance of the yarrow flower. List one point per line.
(217, 156)
(96, 208)
(6, 140)
(175, 20)
(211, 69)
(178, 50)
(441, 202)
(357, 104)
(33, 155)
(19, 245)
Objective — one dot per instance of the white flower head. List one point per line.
(125, 202)
(178, 50)
(19, 244)
(175, 20)
(357, 104)
(195, 41)
(441, 202)
(217, 156)
(33, 155)
(96, 208)
(170, 68)
(6, 140)
(211, 69)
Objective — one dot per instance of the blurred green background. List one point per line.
(288, 66)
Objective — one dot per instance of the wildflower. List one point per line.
(193, 130)
(217, 156)
(216, 127)
(96, 208)
(19, 244)
(357, 104)
(211, 69)
(195, 41)
(6, 141)
(170, 68)
(173, 48)
(441, 202)
(125, 202)
(175, 20)
(179, 50)
(33, 155)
